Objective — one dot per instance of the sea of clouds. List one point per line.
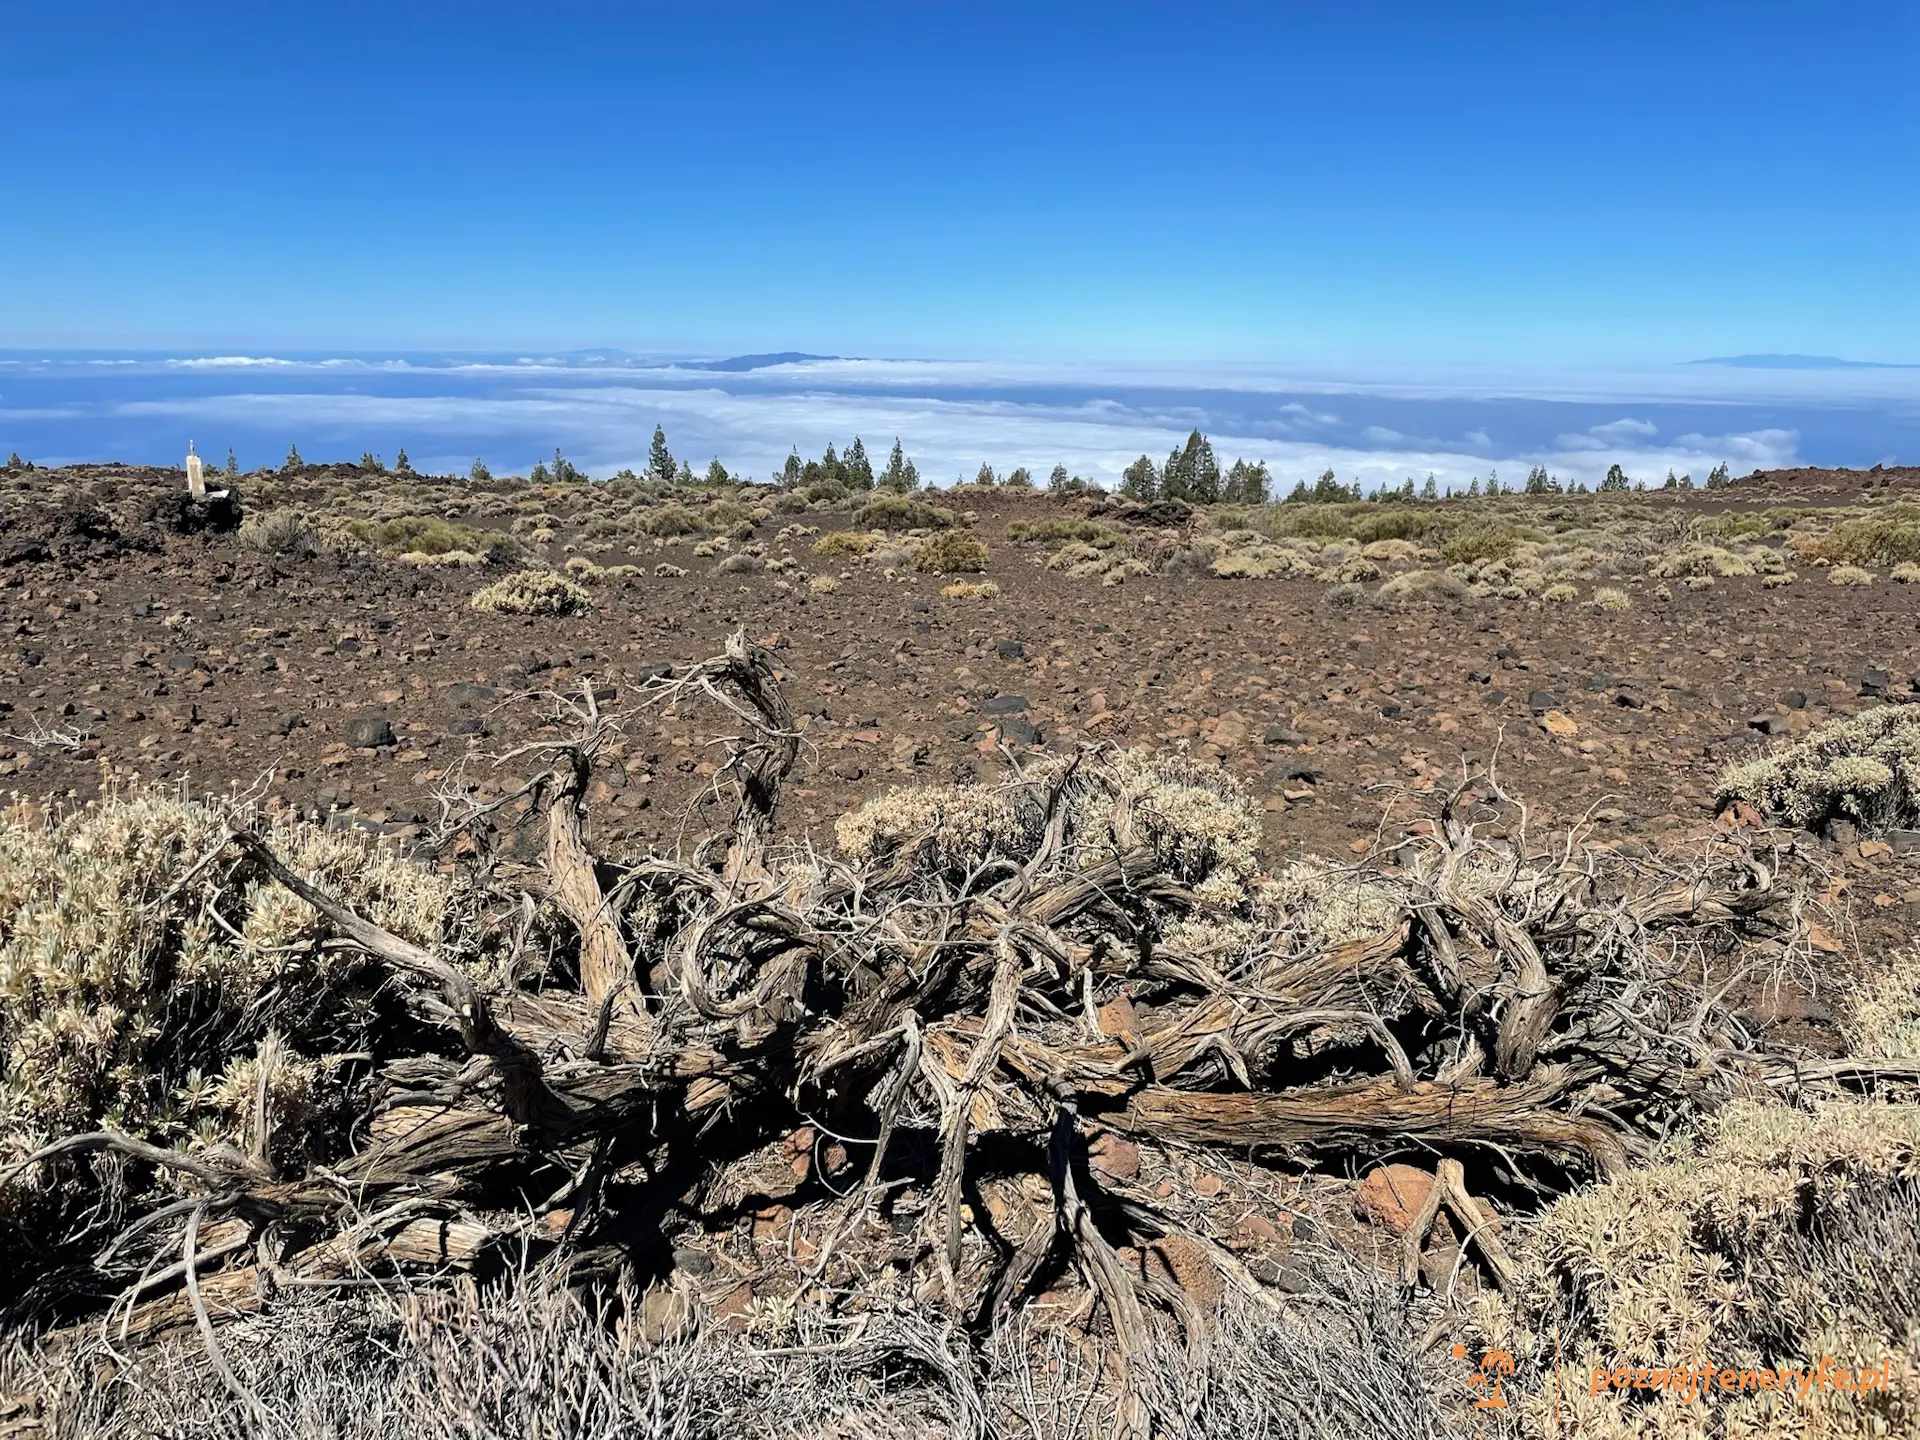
(600, 408)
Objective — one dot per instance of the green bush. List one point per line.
(1478, 543)
(665, 521)
(429, 535)
(903, 512)
(1887, 537)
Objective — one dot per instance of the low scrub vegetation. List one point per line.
(533, 592)
(1864, 769)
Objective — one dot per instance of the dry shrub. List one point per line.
(1392, 552)
(447, 560)
(133, 997)
(952, 552)
(846, 542)
(1905, 573)
(1864, 769)
(666, 570)
(1783, 1237)
(1263, 562)
(279, 532)
(1849, 575)
(1611, 599)
(1481, 542)
(970, 590)
(823, 584)
(1701, 560)
(1885, 1020)
(1559, 594)
(670, 520)
(1431, 587)
(744, 563)
(1198, 822)
(1778, 581)
(533, 592)
(528, 1359)
(903, 512)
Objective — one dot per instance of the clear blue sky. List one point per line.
(1553, 182)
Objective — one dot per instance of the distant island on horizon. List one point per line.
(1802, 362)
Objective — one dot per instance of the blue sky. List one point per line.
(1560, 184)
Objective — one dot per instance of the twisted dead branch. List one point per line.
(948, 981)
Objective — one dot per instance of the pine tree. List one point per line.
(1616, 480)
(1537, 481)
(565, 472)
(660, 465)
(14, 462)
(717, 473)
(899, 476)
(294, 462)
(1141, 481)
(985, 477)
(370, 461)
(791, 470)
(1719, 477)
(1493, 484)
(233, 465)
(1203, 470)
(859, 468)
(1019, 478)
(831, 467)
(1246, 484)
(1473, 488)
(479, 473)
(1057, 478)
(401, 465)
(538, 475)
(1430, 490)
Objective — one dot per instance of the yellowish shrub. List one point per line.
(533, 592)
(1849, 575)
(970, 590)
(1559, 594)
(823, 584)
(1612, 599)
(846, 542)
(951, 552)
(1864, 768)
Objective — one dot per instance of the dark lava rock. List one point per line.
(1280, 735)
(1768, 724)
(1542, 700)
(369, 732)
(1015, 730)
(1630, 700)
(1010, 650)
(468, 725)
(1794, 700)
(1004, 705)
(465, 692)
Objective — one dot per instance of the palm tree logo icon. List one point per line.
(1495, 1365)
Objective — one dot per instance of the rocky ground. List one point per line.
(360, 687)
